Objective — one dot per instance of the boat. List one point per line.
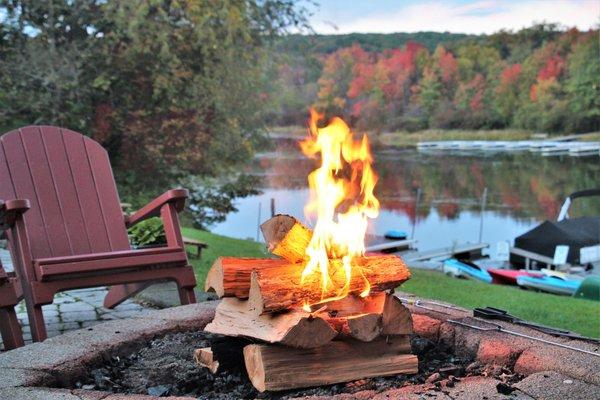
(394, 234)
(465, 269)
(576, 233)
(509, 276)
(550, 283)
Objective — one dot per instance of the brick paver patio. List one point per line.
(73, 309)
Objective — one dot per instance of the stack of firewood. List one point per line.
(347, 339)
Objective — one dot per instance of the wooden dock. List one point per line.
(560, 146)
(381, 244)
(471, 250)
(531, 257)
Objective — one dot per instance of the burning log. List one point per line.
(296, 329)
(281, 289)
(230, 276)
(364, 327)
(369, 317)
(286, 237)
(282, 368)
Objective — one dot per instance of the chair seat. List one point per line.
(48, 268)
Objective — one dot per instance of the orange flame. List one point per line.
(343, 200)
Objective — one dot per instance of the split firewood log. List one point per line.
(230, 276)
(272, 367)
(281, 288)
(233, 317)
(224, 353)
(286, 237)
(369, 317)
(204, 358)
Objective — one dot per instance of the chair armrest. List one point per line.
(174, 196)
(10, 210)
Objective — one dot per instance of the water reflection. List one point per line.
(524, 189)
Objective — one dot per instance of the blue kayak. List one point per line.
(550, 283)
(465, 269)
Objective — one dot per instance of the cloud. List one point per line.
(484, 16)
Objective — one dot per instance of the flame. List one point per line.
(342, 199)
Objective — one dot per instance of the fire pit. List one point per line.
(454, 361)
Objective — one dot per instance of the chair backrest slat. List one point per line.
(68, 180)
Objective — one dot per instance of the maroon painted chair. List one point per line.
(10, 292)
(73, 234)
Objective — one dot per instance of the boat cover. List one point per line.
(543, 239)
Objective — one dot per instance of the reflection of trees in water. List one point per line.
(520, 185)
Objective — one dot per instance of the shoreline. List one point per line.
(411, 139)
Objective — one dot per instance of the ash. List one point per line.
(165, 367)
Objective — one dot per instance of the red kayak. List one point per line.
(509, 276)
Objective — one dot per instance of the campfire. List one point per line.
(324, 311)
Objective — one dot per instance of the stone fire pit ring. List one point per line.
(43, 370)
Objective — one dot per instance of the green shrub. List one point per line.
(147, 232)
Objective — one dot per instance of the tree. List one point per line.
(169, 87)
(583, 84)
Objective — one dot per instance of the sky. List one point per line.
(458, 16)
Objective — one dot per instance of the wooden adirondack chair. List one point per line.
(10, 292)
(74, 234)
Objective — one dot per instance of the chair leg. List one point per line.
(186, 295)
(12, 335)
(119, 293)
(36, 322)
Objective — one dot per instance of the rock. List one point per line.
(473, 367)
(434, 378)
(503, 388)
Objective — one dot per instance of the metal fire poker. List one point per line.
(495, 328)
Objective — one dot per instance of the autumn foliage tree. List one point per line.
(539, 78)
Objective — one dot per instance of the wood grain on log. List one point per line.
(296, 329)
(280, 368)
(280, 289)
(366, 318)
(230, 276)
(286, 237)
(204, 358)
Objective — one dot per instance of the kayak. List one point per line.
(509, 276)
(465, 269)
(550, 283)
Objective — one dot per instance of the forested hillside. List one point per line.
(325, 44)
(541, 78)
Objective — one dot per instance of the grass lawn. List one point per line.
(220, 246)
(582, 316)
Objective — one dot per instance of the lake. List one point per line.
(523, 190)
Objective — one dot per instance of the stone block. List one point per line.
(550, 385)
(426, 326)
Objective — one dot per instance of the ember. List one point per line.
(324, 302)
